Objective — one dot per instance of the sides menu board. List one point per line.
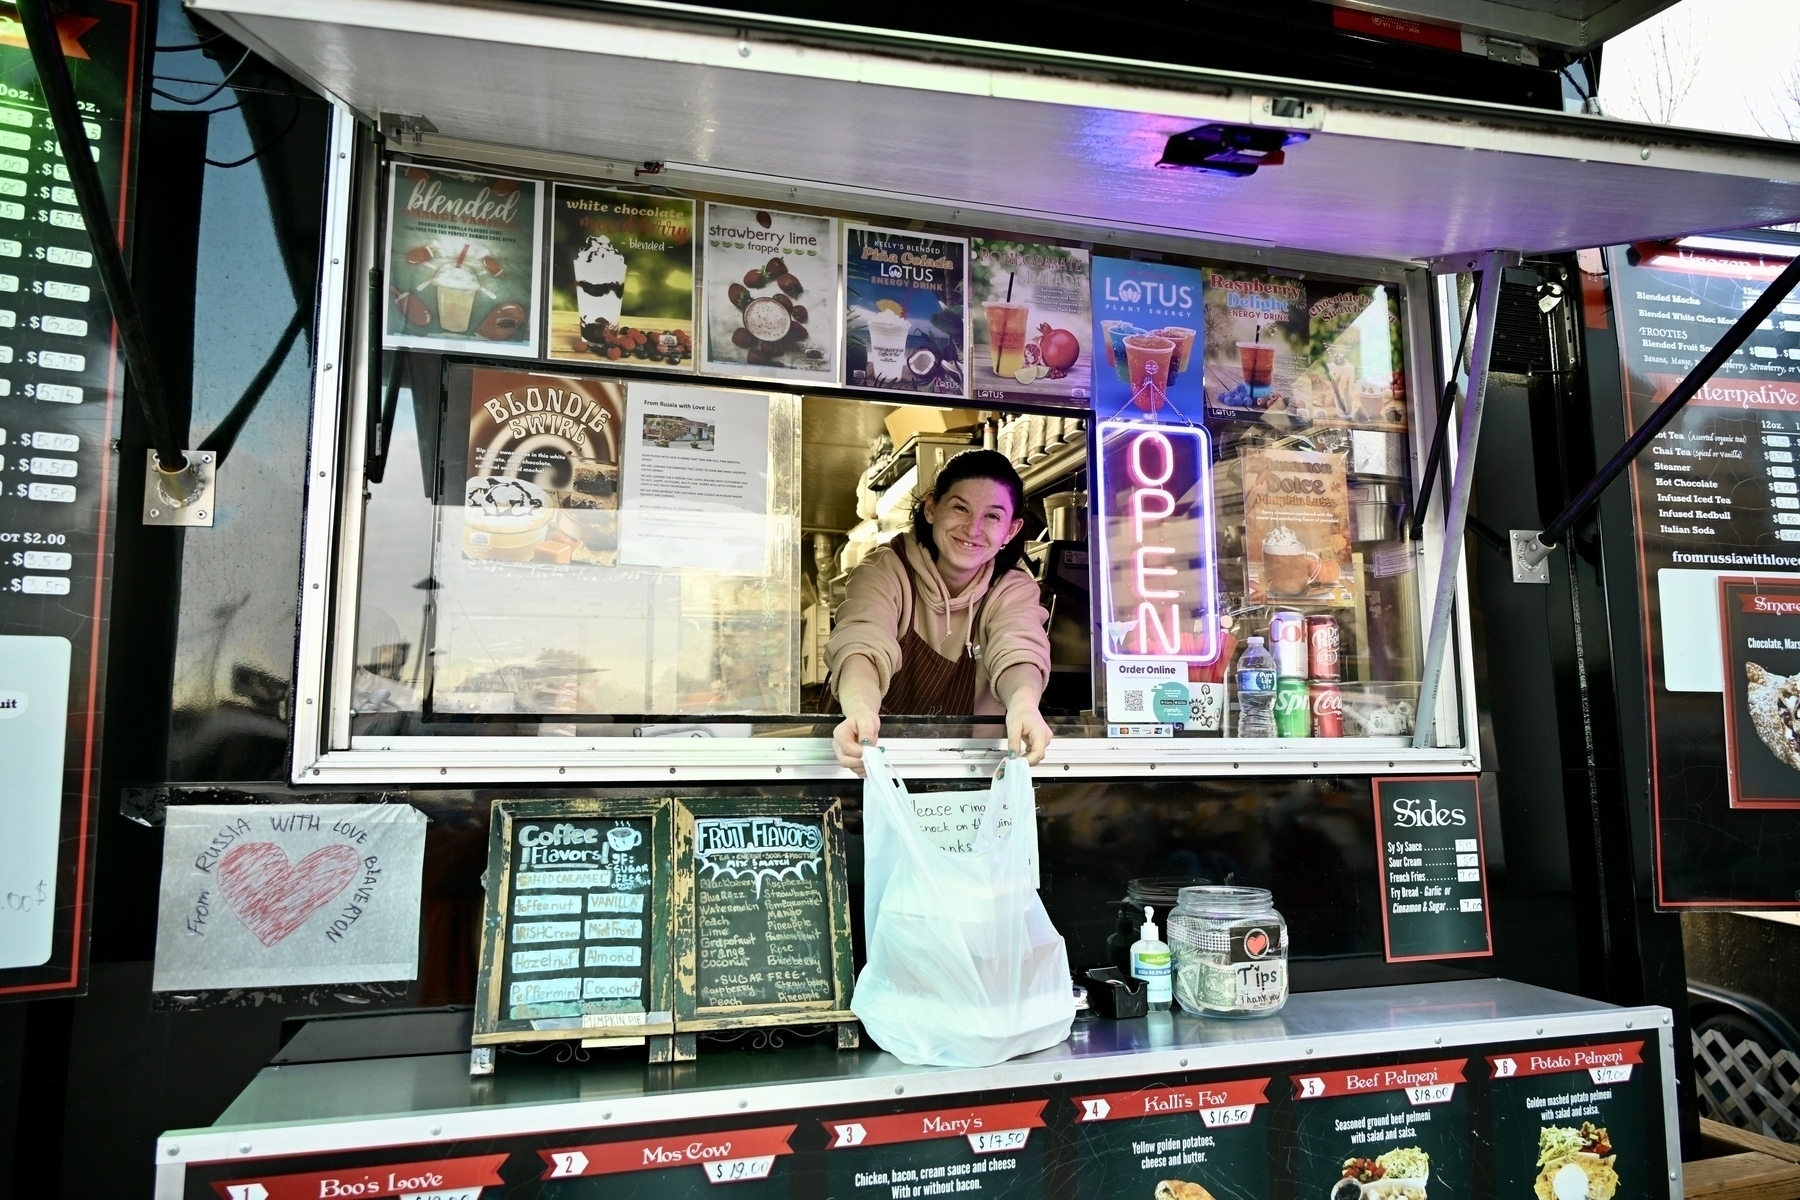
(59, 381)
(1175, 1143)
(1569, 1124)
(995, 1149)
(1384, 1133)
(1428, 843)
(1716, 494)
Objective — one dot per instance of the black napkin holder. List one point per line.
(1113, 994)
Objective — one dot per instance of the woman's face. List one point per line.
(971, 523)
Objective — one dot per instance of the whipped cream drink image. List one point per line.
(456, 289)
(1282, 540)
(1291, 569)
(599, 286)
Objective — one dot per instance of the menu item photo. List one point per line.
(1759, 624)
(770, 294)
(463, 262)
(621, 278)
(1569, 1123)
(1032, 322)
(1296, 527)
(906, 314)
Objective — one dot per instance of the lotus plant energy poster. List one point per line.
(1146, 338)
(464, 264)
(906, 321)
(770, 294)
(621, 278)
(1032, 322)
(288, 895)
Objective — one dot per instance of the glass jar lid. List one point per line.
(1225, 901)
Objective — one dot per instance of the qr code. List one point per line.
(1134, 701)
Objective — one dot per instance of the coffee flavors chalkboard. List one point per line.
(756, 1162)
(1433, 879)
(573, 941)
(1183, 1143)
(1569, 1123)
(1383, 1133)
(995, 1149)
(763, 911)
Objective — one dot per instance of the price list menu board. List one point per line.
(764, 915)
(996, 1150)
(60, 378)
(1194, 1140)
(1569, 1122)
(1716, 493)
(1433, 878)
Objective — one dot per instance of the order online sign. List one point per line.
(1159, 578)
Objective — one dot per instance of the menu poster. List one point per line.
(1384, 1133)
(906, 318)
(1146, 333)
(621, 278)
(993, 1149)
(770, 294)
(1258, 343)
(1175, 1143)
(696, 479)
(1759, 620)
(1428, 843)
(541, 480)
(1569, 1124)
(1356, 372)
(464, 262)
(1297, 528)
(756, 1162)
(763, 910)
(1716, 493)
(1033, 329)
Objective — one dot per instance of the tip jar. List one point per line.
(1230, 952)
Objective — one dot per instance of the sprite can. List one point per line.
(1293, 709)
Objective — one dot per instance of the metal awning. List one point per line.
(879, 121)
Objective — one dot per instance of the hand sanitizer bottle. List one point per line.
(1150, 963)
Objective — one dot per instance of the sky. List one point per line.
(1742, 58)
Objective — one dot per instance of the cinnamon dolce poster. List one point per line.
(1297, 527)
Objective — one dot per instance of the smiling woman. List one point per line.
(944, 620)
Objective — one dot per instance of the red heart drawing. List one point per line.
(1256, 942)
(273, 898)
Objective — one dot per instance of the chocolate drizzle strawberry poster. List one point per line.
(288, 895)
(464, 262)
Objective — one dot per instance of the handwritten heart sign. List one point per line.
(273, 897)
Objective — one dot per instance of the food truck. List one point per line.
(640, 329)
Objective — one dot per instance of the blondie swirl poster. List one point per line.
(463, 262)
(621, 278)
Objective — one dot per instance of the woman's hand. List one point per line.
(1019, 687)
(854, 732)
(859, 695)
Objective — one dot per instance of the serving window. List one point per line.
(615, 484)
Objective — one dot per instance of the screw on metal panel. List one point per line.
(1644, 154)
(1540, 1030)
(201, 514)
(562, 770)
(1628, 1024)
(436, 1129)
(1665, 1020)
(671, 770)
(157, 512)
(443, 770)
(1671, 1174)
(743, 1104)
(244, 1149)
(1057, 1077)
(1184, 1062)
(606, 1116)
(898, 1090)
(743, 49)
(172, 1151)
(1309, 1049)
(315, 769)
(1437, 1041)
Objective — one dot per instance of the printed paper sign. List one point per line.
(621, 278)
(34, 700)
(906, 322)
(261, 895)
(771, 294)
(1147, 689)
(464, 265)
(696, 483)
(1146, 341)
(1033, 328)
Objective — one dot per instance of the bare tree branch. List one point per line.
(1677, 41)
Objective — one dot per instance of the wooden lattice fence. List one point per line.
(1745, 1086)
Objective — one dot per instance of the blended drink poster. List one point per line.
(1258, 342)
(1033, 325)
(770, 294)
(621, 278)
(1355, 371)
(1146, 334)
(1297, 528)
(463, 262)
(906, 318)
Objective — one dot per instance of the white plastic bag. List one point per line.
(965, 969)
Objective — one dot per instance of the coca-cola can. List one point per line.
(1327, 710)
(1287, 642)
(1322, 648)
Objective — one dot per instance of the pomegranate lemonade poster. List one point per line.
(1146, 341)
(463, 262)
(770, 294)
(621, 278)
(1033, 327)
(288, 895)
(906, 314)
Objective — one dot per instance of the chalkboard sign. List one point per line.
(761, 913)
(1433, 877)
(575, 941)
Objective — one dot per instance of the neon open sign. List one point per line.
(1159, 582)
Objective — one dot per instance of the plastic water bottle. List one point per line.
(1256, 691)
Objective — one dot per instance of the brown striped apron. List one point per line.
(928, 684)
